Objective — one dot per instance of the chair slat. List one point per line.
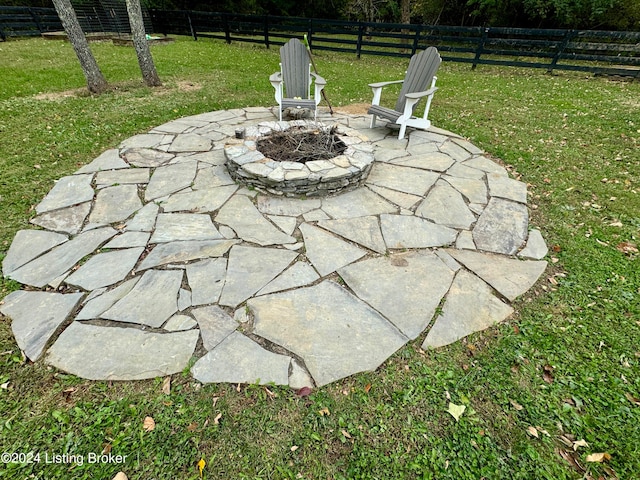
(422, 67)
(295, 69)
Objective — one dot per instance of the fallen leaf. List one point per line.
(216, 420)
(532, 431)
(456, 411)
(149, 424)
(166, 386)
(294, 448)
(547, 374)
(201, 465)
(324, 411)
(579, 443)
(367, 388)
(627, 248)
(598, 457)
(106, 449)
(192, 426)
(270, 393)
(571, 460)
(632, 399)
(215, 400)
(516, 405)
(346, 434)
(304, 392)
(120, 476)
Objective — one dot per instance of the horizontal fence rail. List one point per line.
(593, 51)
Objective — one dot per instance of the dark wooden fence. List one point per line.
(598, 52)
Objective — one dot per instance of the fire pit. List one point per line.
(299, 158)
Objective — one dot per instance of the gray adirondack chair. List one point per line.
(419, 82)
(293, 82)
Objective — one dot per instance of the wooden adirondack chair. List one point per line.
(419, 82)
(293, 82)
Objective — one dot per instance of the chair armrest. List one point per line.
(276, 77)
(318, 79)
(426, 93)
(384, 84)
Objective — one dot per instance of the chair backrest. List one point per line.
(294, 59)
(422, 68)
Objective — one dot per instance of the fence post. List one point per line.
(416, 40)
(359, 43)
(562, 45)
(266, 30)
(480, 47)
(194, 34)
(227, 29)
(310, 32)
(35, 19)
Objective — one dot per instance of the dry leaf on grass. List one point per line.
(516, 405)
(201, 465)
(531, 430)
(579, 443)
(324, 411)
(120, 476)
(216, 420)
(166, 386)
(304, 392)
(598, 457)
(456, 411)
(149, 424)
(346, 434)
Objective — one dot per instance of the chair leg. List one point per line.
(373, 121)
(403, 129)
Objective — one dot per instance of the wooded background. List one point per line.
(573, 14)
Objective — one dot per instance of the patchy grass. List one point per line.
(564, 369)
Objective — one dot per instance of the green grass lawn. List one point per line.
(555, 384)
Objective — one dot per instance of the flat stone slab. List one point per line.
(240, 214)
(36, 316)
(241, 360)
(151, 301)
(335, 333)
(190, 262)
(67, 191)
(113, 353)
(405, 288)
(502, 227)
(249, 269)
(27, 245)
(508, 276)
(469, 307)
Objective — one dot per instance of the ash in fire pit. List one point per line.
(298, 144)
(300, 158)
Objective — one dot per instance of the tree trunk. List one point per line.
(96, 82)
(145, 60)
(405, 17)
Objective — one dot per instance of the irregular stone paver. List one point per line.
(277, 254)
(445, 206)
(67, 220)
(327, 252)
(27, 245)
(108, 160)
(508, 276)
(151, 301)
(178, 252)
(405, 288)
(335, 333)
(404, 179)
(241, 360)
(56, 262)
(298, 275)
(215, 325)
(105, 269)
(175, 227)
(96, 306)
(66, 192)
(170, 179)
(249, 269)
(113, 353)
(206, 279)
(243, 217)
(114, 204)
(205, 200)
(356, 203)
(536, 247)
(362, 230)
(502, 227)
(403, 231)
(469, 307)
(36, 316)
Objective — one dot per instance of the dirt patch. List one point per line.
(354, 109)
(54, 96)
(183, 86)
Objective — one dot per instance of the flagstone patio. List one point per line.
(151, 259)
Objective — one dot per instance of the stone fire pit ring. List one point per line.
(349, 170)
